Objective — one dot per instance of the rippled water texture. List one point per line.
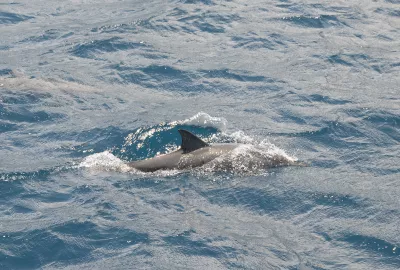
(86, 86)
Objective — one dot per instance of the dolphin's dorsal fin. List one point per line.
(191, 142)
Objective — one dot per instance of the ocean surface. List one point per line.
(88, 85)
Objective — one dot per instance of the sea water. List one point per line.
(88, 85)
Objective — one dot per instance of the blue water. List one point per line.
(86, 86)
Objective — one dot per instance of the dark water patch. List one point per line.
(255, 111)
(159, 204)
(254, 42)
(177, 12)
(99, 140)
(293, 8)
(6, 71)
(174, 79)
(28, 98)
(289, 203)
(47, 196)
(163, 72)
(158, 183)
(356, 60)
(208, 27)
(157, 25)
(340, 135)
(395, 65)
(386, 122)
(218, 87)
(204, 2)
(12, 18)
(135, 27)
(384, 37)
(101, 237)
(67, 243)
(50, 34)
(379, 171)
(339, 200)
(388, 11)
(6, 127)
(165, 78)
(5, 47)
(199, 22)
(154, 56)
(209, 22)
(322, 21)
(325, 163)
(337, 59)
(16, 107)
(378, 117)
(22, 114)
(9, 190)
(122, 28)
(90, 49)
(154, 76)
(266, 87)
(106, 210)
(34, 249)
(232, 75)
(120, 67)
(38, 175)
(185, 244)
(258, 200)
(94, 140)
(388, 253)
(286, 116)
(327, 99)
(86, 189)
(21, 209)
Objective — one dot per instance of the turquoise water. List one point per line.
(86, 86)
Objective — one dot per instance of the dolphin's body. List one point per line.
(194, 152)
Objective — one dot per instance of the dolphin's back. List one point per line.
(164, 162)
(204, 155)
(194, 153)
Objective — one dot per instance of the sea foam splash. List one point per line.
(104, 161)
(248, 158)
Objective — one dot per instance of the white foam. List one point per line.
(252, 158)
(240, 137)
(203, 119)
(104, 161)
(108, 162)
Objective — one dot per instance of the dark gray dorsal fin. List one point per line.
(190, 142)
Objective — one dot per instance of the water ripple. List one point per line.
(13, 18)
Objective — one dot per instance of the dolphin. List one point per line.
(194, 152)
